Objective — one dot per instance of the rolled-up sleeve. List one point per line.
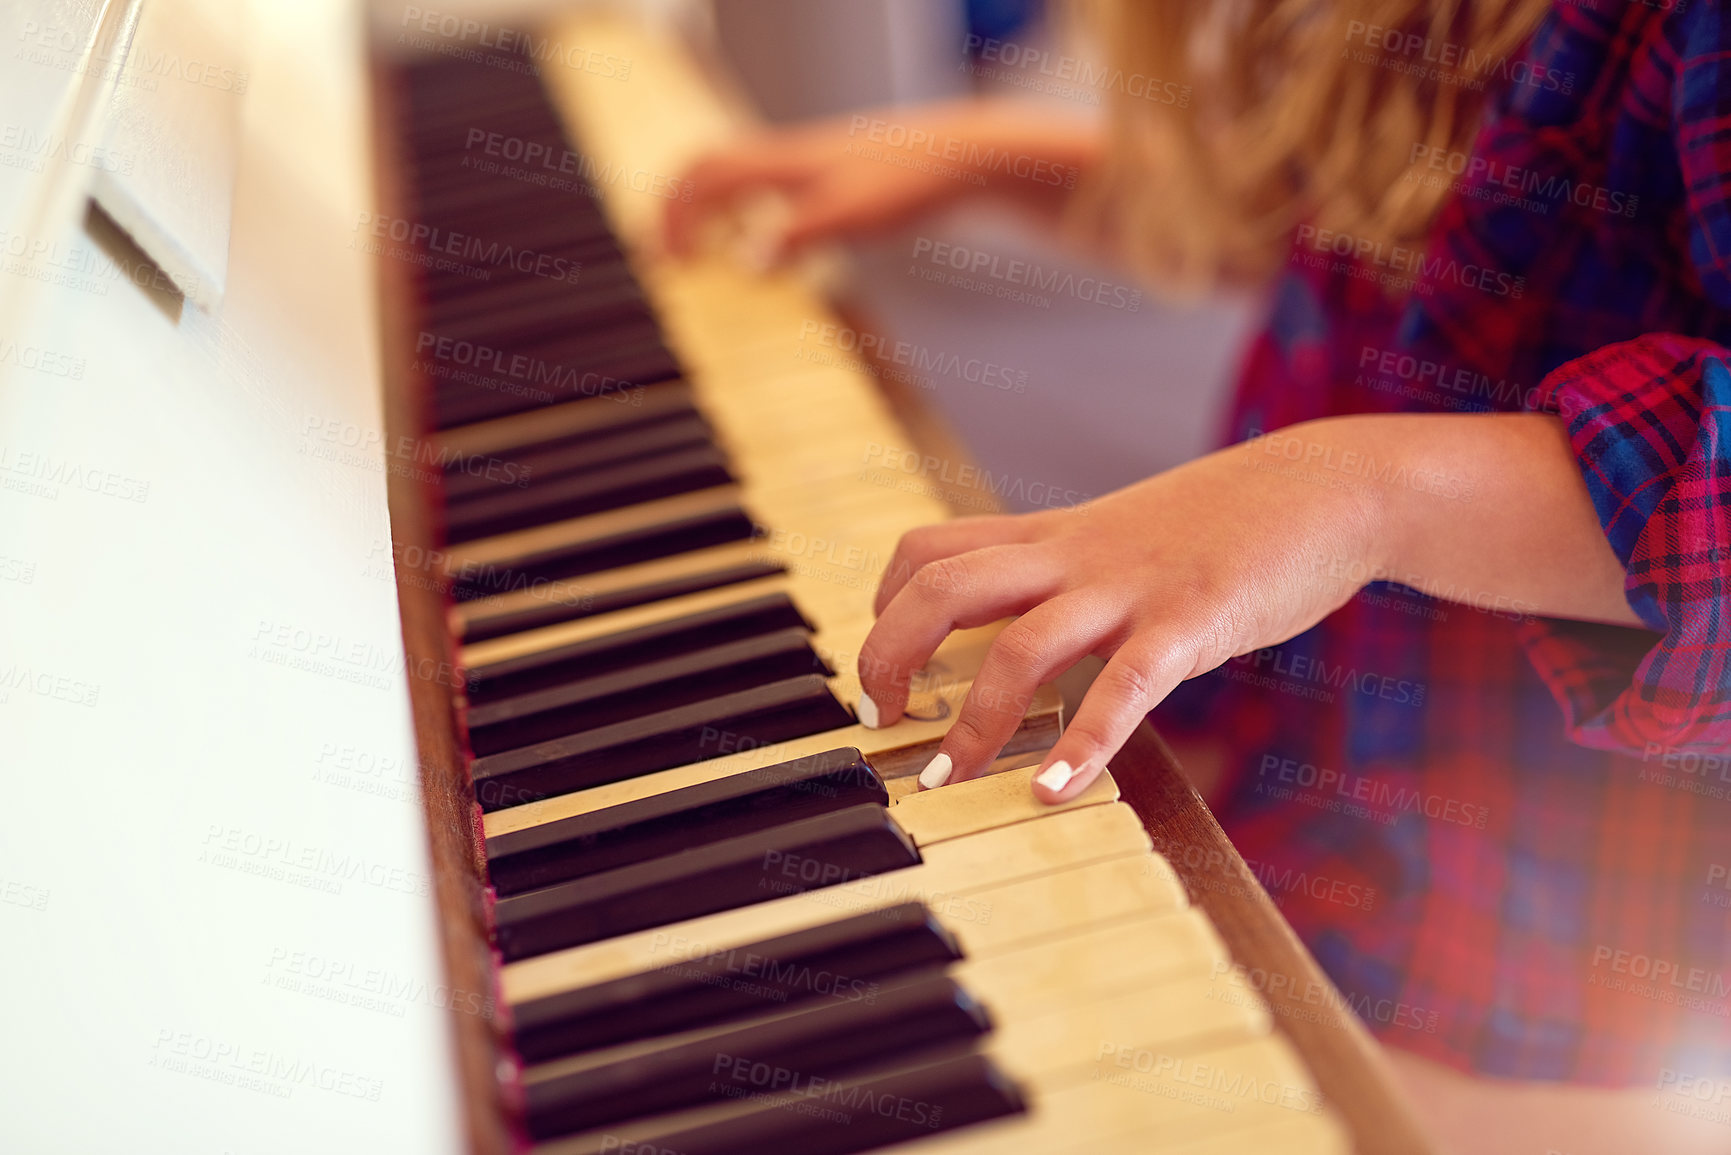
(1648, 420)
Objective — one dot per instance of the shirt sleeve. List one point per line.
(1648, 420)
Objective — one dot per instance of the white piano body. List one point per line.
(216, 931)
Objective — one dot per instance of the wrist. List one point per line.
(1361, 478)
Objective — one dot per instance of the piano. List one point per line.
(445, 694)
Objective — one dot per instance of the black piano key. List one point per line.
(843, 1117)
(847, 960)
(777, 712)
(477, 203)
(642, 365)
(569, 367)
(586, 417)
(577, 494)
(552, 610)
(677, 820)
(446, 111)
(467, 477)
(515, 212)
(826, 1041)
(595, 656)
(561, 279)
(541, 715)
(537, 307)
(591, 555)
(767, 864)
(627, 333)
(557, 284)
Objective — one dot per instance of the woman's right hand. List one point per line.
(868, 173)
(836, 186)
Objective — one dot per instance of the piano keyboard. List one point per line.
(726, 922)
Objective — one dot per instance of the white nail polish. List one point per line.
(1056, 776)
(868, 711)
(937, 772)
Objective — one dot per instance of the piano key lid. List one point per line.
(173, 117)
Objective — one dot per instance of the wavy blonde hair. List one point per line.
(1285, 111)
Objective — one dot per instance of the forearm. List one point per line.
(1009, 148)
(1484, 509)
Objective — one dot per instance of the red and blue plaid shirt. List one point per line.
(1509, 839)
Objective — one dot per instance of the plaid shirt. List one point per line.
(1506, 838)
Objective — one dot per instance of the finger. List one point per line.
(714, 181)
(1032, 650)
(929, 543)
(959, 592)
(1140, 674)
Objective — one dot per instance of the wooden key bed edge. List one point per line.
(1342, 1056)
(457, 863)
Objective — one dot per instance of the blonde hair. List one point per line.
(1275, 112)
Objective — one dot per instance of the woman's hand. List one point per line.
(867, 173)
(1166, 579)
(1235, 551)
(832, 189)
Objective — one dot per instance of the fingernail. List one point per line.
(936, 773)
(1056, 776)
(868, 711)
